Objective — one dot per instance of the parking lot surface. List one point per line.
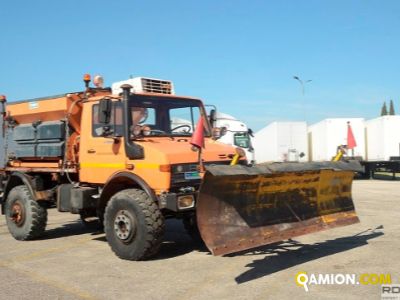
(72, 262)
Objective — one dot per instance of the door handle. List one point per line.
(91, 151)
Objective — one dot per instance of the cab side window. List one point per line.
(116, 123)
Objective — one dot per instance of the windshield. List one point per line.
(242, 139)
(166, 116)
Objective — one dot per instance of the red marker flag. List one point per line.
(198, 135)
(351, 141)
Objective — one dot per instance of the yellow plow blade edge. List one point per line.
(243, 207)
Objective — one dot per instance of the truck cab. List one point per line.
(139, 138)
(235, 133)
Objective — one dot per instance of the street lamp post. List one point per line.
(303, 83)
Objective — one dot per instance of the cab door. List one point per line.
(100, 157)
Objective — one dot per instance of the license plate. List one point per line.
(192, 175)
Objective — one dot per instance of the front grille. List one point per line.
(178, 174)
(157, 86)
(179, 179)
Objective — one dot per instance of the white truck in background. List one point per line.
(235, 133)
(232, 131)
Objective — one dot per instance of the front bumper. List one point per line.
(178, 202)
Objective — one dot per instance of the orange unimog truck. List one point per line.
(115, 155)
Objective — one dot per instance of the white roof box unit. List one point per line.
(145, 85)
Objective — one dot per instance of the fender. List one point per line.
(126, 179)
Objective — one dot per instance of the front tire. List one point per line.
(133, 224)
(26, 219)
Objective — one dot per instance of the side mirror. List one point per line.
(213, 117)
(105, 111)
(250, 132)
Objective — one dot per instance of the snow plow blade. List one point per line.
(242, 207)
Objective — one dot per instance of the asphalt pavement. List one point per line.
(72, 262)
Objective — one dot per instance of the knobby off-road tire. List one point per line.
(26, 218)
(133, 224)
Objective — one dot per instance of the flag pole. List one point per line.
(197, 142)
(201, 166)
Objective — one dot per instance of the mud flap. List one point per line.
(243, 207)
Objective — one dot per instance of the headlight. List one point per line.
(186, 201)
(240, 151)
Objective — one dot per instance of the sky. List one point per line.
(238, 55)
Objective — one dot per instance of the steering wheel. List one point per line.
(155, 131)
(189, 128)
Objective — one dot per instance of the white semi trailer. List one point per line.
(327, 135)
(377, 142)
(281, 142)
(383, 138)
(383, 145)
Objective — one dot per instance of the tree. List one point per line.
(384, 109)
(391, 108)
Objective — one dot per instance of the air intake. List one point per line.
(157, 86)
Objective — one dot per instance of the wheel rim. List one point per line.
(125, 226)
(17, 213)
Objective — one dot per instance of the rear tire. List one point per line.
(133, 224)
(26, 218)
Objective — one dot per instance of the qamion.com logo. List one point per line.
(305, 280)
